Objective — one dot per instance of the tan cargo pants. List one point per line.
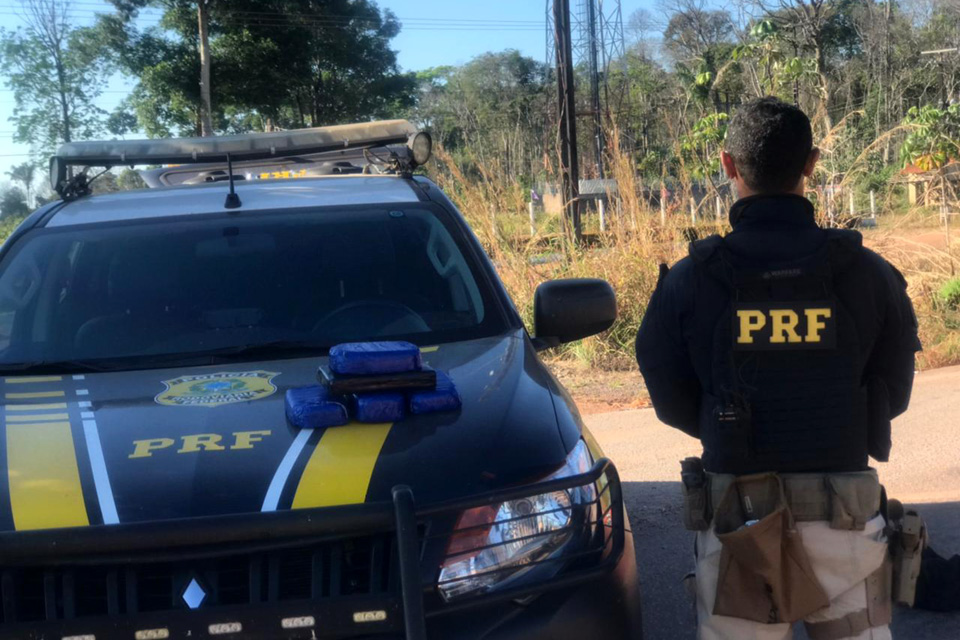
(846, 563)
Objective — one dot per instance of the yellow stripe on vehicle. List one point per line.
(341, 465)
(430, 349)
(35, 394)
(39, 417)
(33, 380)
(51, 406)
(44, 479)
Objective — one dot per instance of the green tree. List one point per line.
(701, 146)
(24, 173)
(489, 111)
(13, 204)
(277, 63)
(934, 138)
(55, 76)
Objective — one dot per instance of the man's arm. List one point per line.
(893, 357)
(889, 371)
(663, 355)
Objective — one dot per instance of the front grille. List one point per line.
(365, 566)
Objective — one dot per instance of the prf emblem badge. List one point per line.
(785, 326)
(217, 389)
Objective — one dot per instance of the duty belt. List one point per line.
(846, 500)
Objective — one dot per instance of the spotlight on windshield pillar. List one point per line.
(421, 147)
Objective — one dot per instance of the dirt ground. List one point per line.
(600, 391)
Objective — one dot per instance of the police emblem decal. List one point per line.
(217, 389)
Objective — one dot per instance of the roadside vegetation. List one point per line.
(637, 241)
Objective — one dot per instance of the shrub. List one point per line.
(950, 294)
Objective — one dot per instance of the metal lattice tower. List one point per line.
(598, 45)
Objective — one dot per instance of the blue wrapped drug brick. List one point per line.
(314, 408)
(444, 397)
(376, 408)
(374, 358)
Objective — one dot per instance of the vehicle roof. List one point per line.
(257, 195)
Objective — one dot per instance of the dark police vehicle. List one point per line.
(153, 487)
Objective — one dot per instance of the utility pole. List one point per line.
(567, 117)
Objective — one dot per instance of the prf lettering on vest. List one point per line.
(785, 326)
(196, 443)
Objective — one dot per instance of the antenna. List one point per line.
(233, 200)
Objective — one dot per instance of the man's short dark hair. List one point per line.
(770, 142)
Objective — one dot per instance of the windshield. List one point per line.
(146, 292)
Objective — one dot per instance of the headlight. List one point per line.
(497, 544)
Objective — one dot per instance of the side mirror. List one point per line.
(568, 310)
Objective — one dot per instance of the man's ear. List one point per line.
(812, 160)
(729, 165)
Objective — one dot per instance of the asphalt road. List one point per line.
(924, 473)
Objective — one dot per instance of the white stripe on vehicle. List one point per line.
(101, 480)
(279, 481)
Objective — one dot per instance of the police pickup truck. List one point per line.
(153, 486)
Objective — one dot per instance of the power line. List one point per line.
(99, 9)
(283, 23)
(257, 17)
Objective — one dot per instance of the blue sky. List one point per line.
(435, 32)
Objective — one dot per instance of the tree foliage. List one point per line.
(934, 138)
(489, 110)
(13, 203)
(275, 63)
(56, 73)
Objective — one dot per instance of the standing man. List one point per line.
(786, 349)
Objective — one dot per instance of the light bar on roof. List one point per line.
(240, 147)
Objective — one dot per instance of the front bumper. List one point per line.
(297, 575)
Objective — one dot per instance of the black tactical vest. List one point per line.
(786, 392)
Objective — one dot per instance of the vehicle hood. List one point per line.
(134, 446)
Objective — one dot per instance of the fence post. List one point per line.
(693, 211)
(663, 209)
(873, 204)
(719, 209)
(853, 209)
(533, 220)
(601, 209)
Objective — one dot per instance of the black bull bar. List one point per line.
(207, 537)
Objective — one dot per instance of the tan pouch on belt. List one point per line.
(854, 500)
(765, 574)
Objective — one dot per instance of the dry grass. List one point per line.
(923, 257)
(636, 242)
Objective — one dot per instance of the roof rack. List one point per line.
(253, 146)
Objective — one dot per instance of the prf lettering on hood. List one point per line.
(198, 442)
(784, 326)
